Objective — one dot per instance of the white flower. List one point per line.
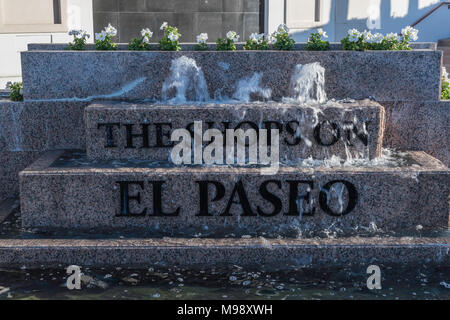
(444, 74)
(110, 30)
(353, 35)
(81, 34)
(8, 84)
(173, 36)
(254, 37)
(271, 38)
(232, 35)
(376, 38)
(100, 36)
(282, 28)
(391, 37)
(202, 37)
(146, 33)
(73, 32)
(164, 25)
(367, 35)
(145, 39)
(322, 33)
(410, 32)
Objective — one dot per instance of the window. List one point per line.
(25, 16)
(303, 13)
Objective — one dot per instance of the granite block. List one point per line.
(419, 125)
(59, 192)
(305, 131)
(383, 75)
(263, 254)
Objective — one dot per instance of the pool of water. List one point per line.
(397, 282)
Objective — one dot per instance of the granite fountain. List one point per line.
(93, 144)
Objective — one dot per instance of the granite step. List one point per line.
(143, 131)
(64, 190)
(264, 254)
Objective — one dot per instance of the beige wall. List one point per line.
(31, 21)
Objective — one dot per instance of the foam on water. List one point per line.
(186, 82)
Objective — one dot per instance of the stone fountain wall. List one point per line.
(407, 84)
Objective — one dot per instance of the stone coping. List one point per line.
(267, 254)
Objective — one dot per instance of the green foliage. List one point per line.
(201, 47)
(283, 41)
(169, 42)
(315, 42)
(225, 45)
(77, 44)
(106, 44)
(16, 91)
(137, 44)
(257, 44)
(445, 93)
(347, 44)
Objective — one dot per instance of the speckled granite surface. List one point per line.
(29, 128)
(265, 254)
(419, 125)
(384, 75)
(88, 197)
(366, 118)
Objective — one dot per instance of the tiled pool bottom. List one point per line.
(235, 283)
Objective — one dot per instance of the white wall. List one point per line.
(79, 16)
(337, 16)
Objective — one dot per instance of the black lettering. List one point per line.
(294, 198)
(352, 197)
(204, 203)
(243, 201)
(273, 199)
(125, 198)
(109, 133)
(157, 201)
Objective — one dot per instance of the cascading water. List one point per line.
(186, 82)
(307, 84)
(251, 85)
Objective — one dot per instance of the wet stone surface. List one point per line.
(398, 282)
(320, 131)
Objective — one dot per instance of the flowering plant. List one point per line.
(228, 44)
(316, 41)
(353, 40)
(79, 39)
(257, 42)
(16, 88)
(365, 40)
(169, 42)
(445, 93)
(282, 39)
(201, 42)
(103, 40)
(142, 43)
(407, 35)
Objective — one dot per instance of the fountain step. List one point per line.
(63, 190)
(317, 131)
(269, 254)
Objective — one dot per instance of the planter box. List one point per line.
(87, 75)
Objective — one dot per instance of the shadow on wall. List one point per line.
(339, 23)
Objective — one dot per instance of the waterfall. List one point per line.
(186, 82)
(307, 84)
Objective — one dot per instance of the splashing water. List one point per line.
(251, 85)
(186, 80)
(307, 84)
